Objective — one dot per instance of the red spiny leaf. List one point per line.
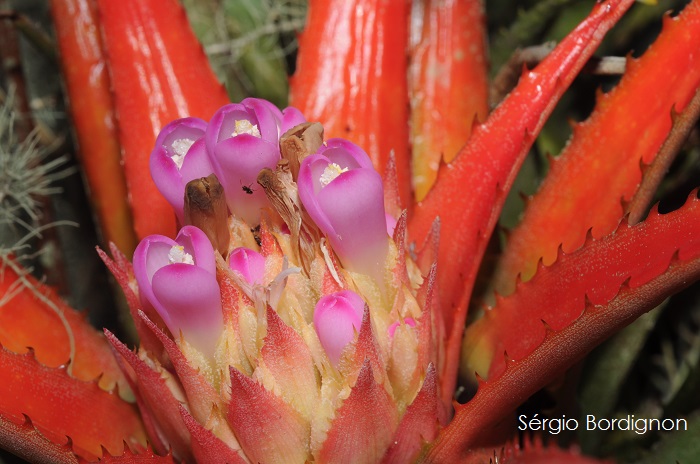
(533, 451)
(36, 317)
(141, 456)
(448, 85)
(418, 425)
(400, 272)
(289, 360)
(201, 395)
(351, 76)
(562, 348)
(470, 192)
(557, 294)
(267, 428)
(92, 109)
(430, 330)
(364, 424)
(159, 73)
(157, 403)
(206, 446)
(61, 406)
(392, 189)
(367, 351)
(600, 165)
(21, 437)
(123, 273)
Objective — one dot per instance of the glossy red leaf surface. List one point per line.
(601, 164)
(61, 406)
(351, 76)
(92, 109)
(470, 191)
(36, 317)
(159, 73)
(448, 85)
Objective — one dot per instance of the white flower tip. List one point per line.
(243, 126)
(330, 173)
(180, 147)
(178, 255)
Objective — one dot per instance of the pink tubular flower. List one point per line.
(249, 263)
(243, 138)
(178, 278)
(344, 196)
(179, 156)
(336, 318)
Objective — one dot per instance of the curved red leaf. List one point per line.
(601, 164)
(470, 192)
(562, 348)
(159, 73)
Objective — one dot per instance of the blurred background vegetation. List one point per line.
(652, 369)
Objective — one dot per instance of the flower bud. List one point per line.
(178, 279)
(409, 321)
(249, 263)
(179, 156)
(336, 318)
(344, 196)
(243, 138)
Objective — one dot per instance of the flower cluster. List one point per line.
(288, 292)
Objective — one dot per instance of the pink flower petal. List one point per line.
(409, 321)
(238, 159)
(172, 153)
(291, 117)
(336, 318)
(249, 263)
(186, 296)
(350, 208)
(190, 302)
(197, 244)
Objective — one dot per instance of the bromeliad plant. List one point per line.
(295, 305)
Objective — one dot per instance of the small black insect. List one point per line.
(247, 189)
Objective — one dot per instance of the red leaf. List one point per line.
(448, 85)
(145, 456)
(92, 108)
(418, 425)
(201, 395)
(267, 428)
(206, 446)
(600, 166)
(159, 73)
(158, 405)
(351, 76)
(557, 294)
(562, 348)
(289, 360)
(364, 424)
(61, 406)
(37, 317)
(23, 439)
(469, 193)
